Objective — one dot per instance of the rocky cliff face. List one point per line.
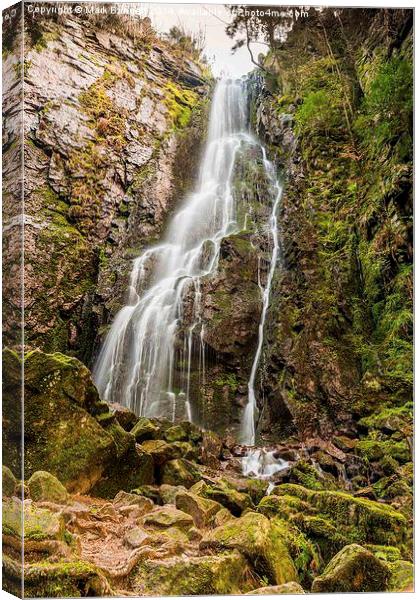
(110, 119)
(335, 109)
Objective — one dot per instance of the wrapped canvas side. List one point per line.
(13, 299)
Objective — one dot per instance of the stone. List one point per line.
(180, 472)
(211, 449)
(61, 436)
(227, 496)
(123, 499)
(176, 433)
(286, 588)
(353, 569)
(168, 492)
(226, 573)
(260, 541)
(125, 417)
(358, 519)
(202, 510)
(168, 516)
(44, 487)
(402, 576)
(145, 429)
(137, 537)
(38, 523)
(160, 451)
(222, 517)
(9, 482)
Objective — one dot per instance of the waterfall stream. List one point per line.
(138, 364)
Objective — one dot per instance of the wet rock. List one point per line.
(353, 569)
(202, 510)
(211, 449)
(176, 433)
(260, 541)
(45, 487)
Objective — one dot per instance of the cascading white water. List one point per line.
(145, 361)
(250, 413)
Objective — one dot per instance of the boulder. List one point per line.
(180, 472)
(137, 537)
(260, 541)
(124, 499)
(125, 417)
(353, 569)
(168, 492)
(45, 487)
(168, 516)
(202, 510)
(176, 433)
(61, 435)
(211, 449)
(402, 576)
(227, 496)
(227, 573)
(38, 523)
(286, 588)
(145, 429)
(9, 482)
(160, 451)
(358, 519)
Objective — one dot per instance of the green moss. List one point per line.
(180, 103)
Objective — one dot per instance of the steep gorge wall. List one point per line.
(113, 127)
(336, 111)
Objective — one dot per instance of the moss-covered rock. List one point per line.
(145, 429)
(202, 510)
(8, 482)
(226, 573)
(260, 541)
(359, 519)
(180, 472)
(160, 451)
(402, 576)
(168, 516)
(226, 495)
(353, 569)
(286, 588)
(45, 487)
(33, 523)
(61, 436)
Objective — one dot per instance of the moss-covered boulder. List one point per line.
(286, 588)
(45, 487)
(226, 573)
(160, 451)
(134, 469)
(61, 435)
(124, 499)
(226, 495)
(353, 569)
(145, 429)
(202, 510)
(180, 472)
(402, 576)
(33, 523)
(168, 516)
(260, 541)
(177, 433)
(8, 482)
(358, 519)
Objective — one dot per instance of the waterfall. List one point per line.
(146, 359)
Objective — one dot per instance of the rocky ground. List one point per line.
(114, 504)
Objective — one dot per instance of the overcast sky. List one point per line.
(211, 19)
